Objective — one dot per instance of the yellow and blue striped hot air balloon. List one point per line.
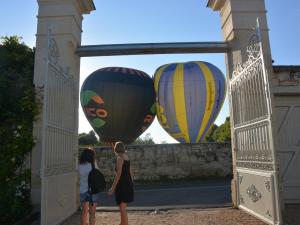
(189, 98)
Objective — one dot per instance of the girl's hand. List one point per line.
(110, 191)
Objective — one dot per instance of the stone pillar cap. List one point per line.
(216, 5)
(87, 6)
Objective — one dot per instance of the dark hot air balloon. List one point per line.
(119, 103)
(189, 98)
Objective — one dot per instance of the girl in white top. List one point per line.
(88, 201)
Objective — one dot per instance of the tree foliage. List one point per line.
(147, 140)
(209, 135)
(88, 139)
(223, 133)
(18, 110)
(220, 133)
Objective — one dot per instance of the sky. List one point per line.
(136, 21)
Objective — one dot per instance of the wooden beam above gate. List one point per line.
(152, 48)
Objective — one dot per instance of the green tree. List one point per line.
(88, 139)
(222, 133)
(147, 140)
(209, 135)
(18, 109)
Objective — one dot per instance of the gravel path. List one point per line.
(213, 216)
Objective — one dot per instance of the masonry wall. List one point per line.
(171, 161)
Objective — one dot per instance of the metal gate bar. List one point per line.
(152, 48)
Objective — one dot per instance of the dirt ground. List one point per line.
(214, 216)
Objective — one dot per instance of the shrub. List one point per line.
(18, 110)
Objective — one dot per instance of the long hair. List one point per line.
(119, 148)
(87, 156)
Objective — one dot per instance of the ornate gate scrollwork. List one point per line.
(59, 145)
(253, 137)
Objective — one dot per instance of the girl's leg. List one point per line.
(84, 213)
(123, 212)
(93, 213)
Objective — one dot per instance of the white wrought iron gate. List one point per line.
(257, 182)
(59, 148)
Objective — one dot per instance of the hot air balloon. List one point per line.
(189, 98)
(119, 103)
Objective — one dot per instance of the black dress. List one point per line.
(124, 188)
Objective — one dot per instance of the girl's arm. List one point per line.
(118, 174)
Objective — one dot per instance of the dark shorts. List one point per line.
(87, 197)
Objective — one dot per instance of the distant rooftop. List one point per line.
(284, 68)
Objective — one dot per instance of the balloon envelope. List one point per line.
(119, 103)
(189, 98)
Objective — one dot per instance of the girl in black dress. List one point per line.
(122, 185)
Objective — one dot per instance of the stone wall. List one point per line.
(171, 161)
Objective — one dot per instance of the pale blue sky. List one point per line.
(134, 21)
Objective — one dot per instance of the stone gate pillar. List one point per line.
(64, 19)
(238, 19)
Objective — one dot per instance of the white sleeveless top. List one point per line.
(84, 170)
